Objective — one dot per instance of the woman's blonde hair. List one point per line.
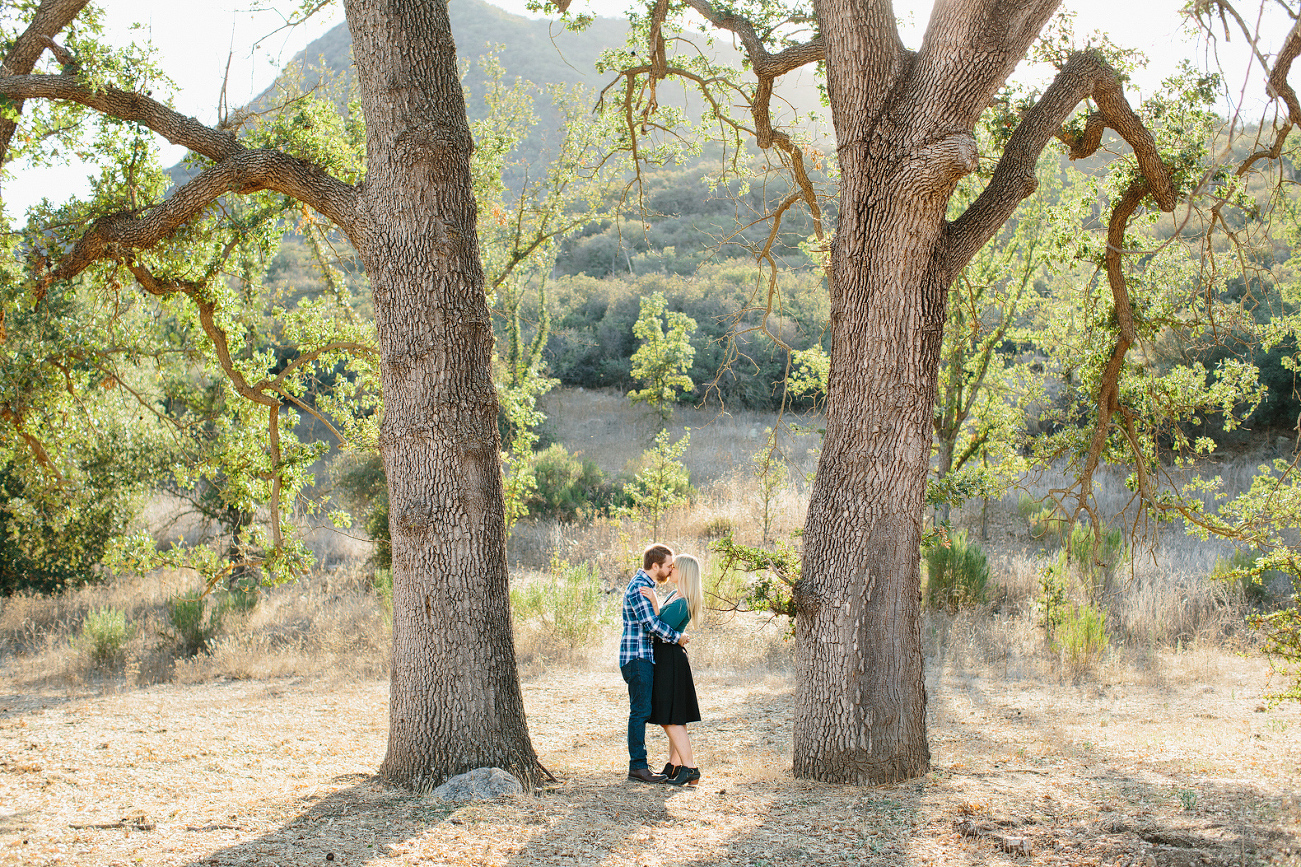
(689, 584)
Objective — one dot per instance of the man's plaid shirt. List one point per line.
(639, 621)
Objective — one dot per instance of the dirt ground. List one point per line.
(1187, 770)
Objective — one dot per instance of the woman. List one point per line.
(673, 696)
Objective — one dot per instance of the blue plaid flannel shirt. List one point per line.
(639, 621)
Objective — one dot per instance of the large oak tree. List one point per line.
(904, 122)
(455, 700)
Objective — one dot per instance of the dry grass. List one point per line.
(279, 771)
(260, 750)
(331, 622)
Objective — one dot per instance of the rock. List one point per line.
(481, 784)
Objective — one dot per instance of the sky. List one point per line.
(197, 41)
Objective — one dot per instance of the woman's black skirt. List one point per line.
(673, 697)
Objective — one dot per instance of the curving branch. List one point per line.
(1109, 389)
(767, 67)
(38, 448)
(1084, 75)
(237, 168)
(1276, 79)
(50, 19)
(125, 105)
(1278, 83)
(246, 171)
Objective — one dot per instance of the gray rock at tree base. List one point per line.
(481, 784)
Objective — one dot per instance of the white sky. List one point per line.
(195, 41)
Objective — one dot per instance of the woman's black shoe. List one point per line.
(670, 770)
(685, 776)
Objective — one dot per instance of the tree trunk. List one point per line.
(861, 694)
(455, 701)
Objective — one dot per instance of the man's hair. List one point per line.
(655, 555)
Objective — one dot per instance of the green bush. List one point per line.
(194, 622)
(957, 575)
(569, 486)
(1046, 525)
(1080, 634)
(1094, 558)
(104, 636)
(51, 541)
(1100, 552)
(570, 604)
(1236, 570)
(243, 597)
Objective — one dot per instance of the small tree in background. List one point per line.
(771, 472)
(662, 482)
(664, 356)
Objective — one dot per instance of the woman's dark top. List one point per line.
(673, 696)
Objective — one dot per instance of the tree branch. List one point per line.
(238, 169)
(207, 319)
(125, 105)
(1109, 389)
(246, 171)
(1084, 75)
(49, 20)
(764, 63)
(1278, 76)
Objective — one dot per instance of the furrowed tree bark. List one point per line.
(455, 702)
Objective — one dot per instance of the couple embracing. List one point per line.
(654, 663)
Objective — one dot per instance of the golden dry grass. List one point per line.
(262, 750)
(279, 771)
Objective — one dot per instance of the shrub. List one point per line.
(1046, 525)
(718, 527)
(957, 575)
(191, 633)
(1102, 552)
(1080, 635)
(49, 542)
(570, 604)
(104, 635)
(243, 597)
(569, 486)
(1237, 570)
(661, 481)
(1094, 557)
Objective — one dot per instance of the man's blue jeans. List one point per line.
(639, 674)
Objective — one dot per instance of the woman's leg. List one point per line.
(680, 746)
(674, 757)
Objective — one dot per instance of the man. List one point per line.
(637, 656)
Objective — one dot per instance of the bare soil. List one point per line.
(1187, 768)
